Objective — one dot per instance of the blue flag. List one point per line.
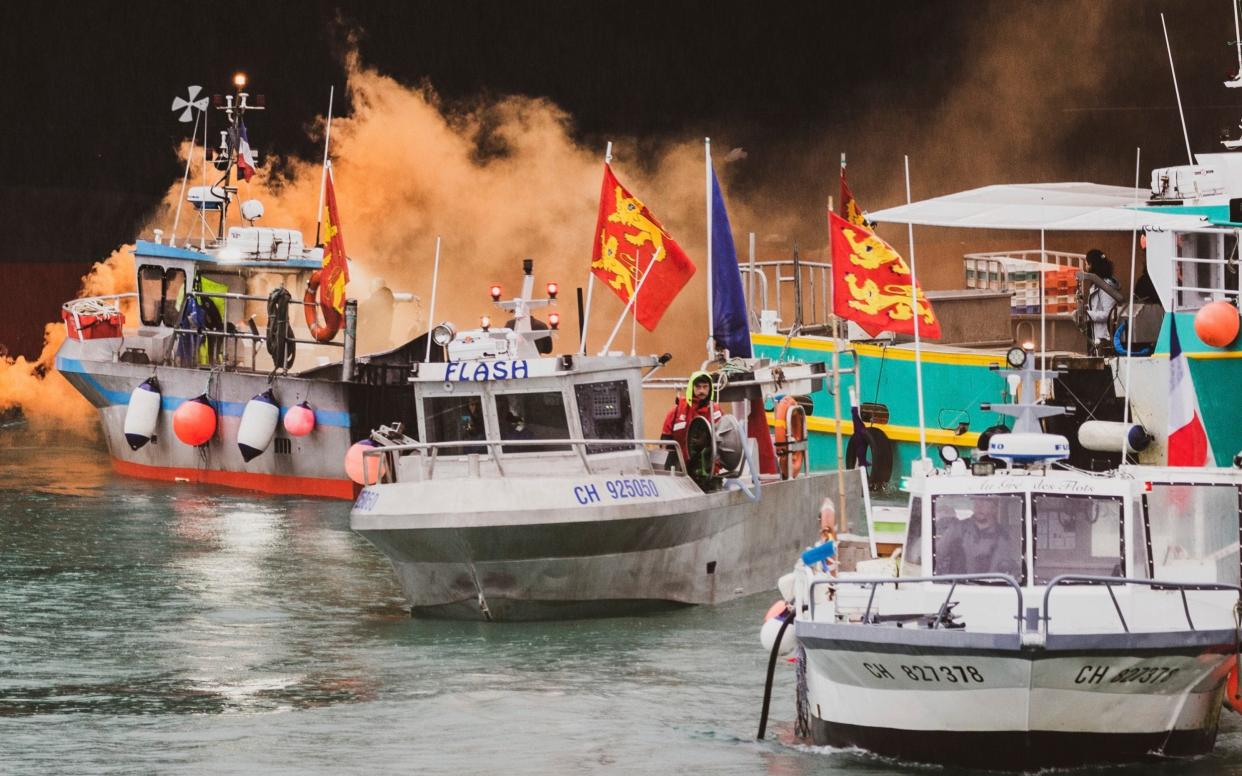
(728, 303)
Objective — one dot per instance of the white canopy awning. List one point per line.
(1085, 207)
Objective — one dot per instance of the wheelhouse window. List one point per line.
(978, 533)
(174, 295)
(604, 412)
(456, 419)
(912, 552)
(1077, 535)
(532, 416)
(1192, 531)
(160, 294)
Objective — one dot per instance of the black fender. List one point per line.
(880, 467)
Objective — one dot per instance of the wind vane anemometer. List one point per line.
(189, 104)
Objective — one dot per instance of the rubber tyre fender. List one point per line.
(881, 448)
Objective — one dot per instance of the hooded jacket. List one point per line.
(677, 422)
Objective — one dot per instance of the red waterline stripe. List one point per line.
(266, 483)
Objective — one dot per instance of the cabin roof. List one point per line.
(1080, 207)
(146, 248)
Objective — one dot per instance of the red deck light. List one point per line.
(554, 320)
(495, 291)
(552, 289)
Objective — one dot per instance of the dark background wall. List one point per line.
(984, 91)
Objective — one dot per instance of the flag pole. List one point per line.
(1125, 412)
(586, 317)
(431, 314)
(323, 177)
(914, 307)
(711, 318)
(836, 377)
(638, 254)
(654, 257)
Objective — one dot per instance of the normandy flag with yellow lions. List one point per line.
(632, 249)
(335, 272)
(871, 283)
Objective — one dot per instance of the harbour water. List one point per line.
(171, 628)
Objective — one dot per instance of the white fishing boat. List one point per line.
(1042, 616)
(533, 493)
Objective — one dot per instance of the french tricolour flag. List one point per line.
(1188, 442)
(245, 157)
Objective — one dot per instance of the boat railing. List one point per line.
(1189, 293)
(108, 304)
(381, 462)
(1110, 582)
(816, 275)
(953, 579)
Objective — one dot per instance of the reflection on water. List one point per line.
(159, 627)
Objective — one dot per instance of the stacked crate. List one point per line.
(1021, 277)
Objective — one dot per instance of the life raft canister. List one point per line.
(311, 306)
(790, 424)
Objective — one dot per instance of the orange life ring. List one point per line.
(1232, 701)
(322, 332)
(790, 423)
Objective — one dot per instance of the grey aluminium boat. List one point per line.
(531, 493)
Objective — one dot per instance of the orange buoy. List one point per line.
(1216, 323)
(322, 332)
(789, 419)
(1232, 701)
(355, 461)
(300, 420)
(194, 422)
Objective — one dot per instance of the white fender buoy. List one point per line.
(258, 425)
(1108, 436)
(767, 636)
(143, 413)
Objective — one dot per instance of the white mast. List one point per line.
(1177, 92)
(431, 314)
(914, 307)
(185, 178)
(1125, 412)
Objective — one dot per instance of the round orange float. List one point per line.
(194, 422)
(355, 461)
(300, 420)
(1216, 323)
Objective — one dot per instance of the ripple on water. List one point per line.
(152, 627)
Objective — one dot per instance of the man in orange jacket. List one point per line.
(697, 402)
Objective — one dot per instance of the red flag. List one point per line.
(335, 272)
(632, 248)
(849, 206)
(871, 283)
